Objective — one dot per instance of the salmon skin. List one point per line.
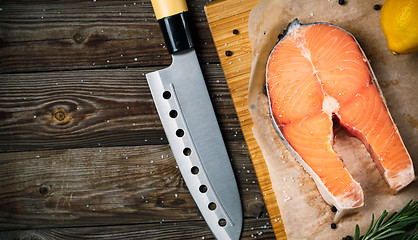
(318, 72)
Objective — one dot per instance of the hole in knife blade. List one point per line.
(166, 95)
(187, 151)
(212, 206)
(173, 113)
(195, 170)
(180, 133)
(222, 222)
(203, 188)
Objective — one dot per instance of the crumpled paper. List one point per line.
(304, 213)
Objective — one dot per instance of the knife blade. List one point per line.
(189, 121)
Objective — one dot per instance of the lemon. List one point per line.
(399, 21)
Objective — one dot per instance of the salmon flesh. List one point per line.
(318, 72)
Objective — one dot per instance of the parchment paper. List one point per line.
(304, 213)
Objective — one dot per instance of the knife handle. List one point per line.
(172, 18)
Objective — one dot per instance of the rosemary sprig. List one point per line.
(393, 227)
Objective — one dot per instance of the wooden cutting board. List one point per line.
(225, 16)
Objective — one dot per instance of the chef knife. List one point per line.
(186, 112)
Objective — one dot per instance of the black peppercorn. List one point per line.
(348, 237)
(280, 36)
(228, 53)
(341, 2)
(377, 7)
(333, 225)
(235, 31)
(334, 209)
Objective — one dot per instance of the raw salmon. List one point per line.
(318, 72)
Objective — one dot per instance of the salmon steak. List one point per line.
(318, 73)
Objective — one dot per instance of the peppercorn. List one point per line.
(333, 225)
(280, 36)
(235, 31)
(334, 209)
(377, 7)
(341, 2)
(228, 53)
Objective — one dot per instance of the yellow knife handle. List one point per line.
(173, 20)
(166, 8)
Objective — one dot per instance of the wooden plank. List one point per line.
(58, 110)
(223, 17)
(70, 178)
(95, 186)
(252, 228)
(67, 35)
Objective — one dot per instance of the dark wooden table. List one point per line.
(82, 150)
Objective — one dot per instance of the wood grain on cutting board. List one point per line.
(223, 17)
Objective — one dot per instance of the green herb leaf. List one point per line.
(394, 226)
(357, 234)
